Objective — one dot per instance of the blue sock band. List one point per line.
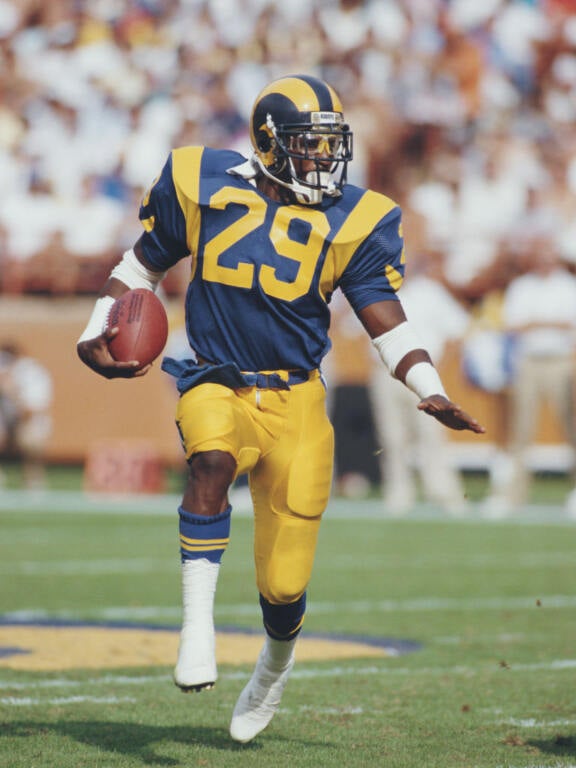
(283, 622)
(203, 536)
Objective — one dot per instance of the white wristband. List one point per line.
(424, 380)
(98, 318)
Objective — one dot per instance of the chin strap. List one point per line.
(303, 194)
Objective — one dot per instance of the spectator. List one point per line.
(540, 311)
(25, 418)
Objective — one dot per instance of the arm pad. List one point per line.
(422, 378)
(134, 274)
(393, 345)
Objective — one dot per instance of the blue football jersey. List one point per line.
(263, 272)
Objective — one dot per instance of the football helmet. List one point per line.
(300, 139)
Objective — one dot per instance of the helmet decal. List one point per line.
(308, 93)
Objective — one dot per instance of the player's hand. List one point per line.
(96, 355)
(449, 414)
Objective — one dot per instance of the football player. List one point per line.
(269, 240)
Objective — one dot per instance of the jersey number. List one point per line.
(306, 255)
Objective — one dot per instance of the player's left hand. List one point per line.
(449, 414)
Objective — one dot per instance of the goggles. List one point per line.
(313, 144)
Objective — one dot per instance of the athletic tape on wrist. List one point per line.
(423, 379)
(98, 318)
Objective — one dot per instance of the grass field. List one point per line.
(485, 610)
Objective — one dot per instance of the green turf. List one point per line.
(491, 603)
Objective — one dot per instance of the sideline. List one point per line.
(52, 502)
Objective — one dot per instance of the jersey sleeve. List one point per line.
(376, 270)
(164, 241)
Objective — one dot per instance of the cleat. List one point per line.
(260, 699)
(196, 666)
(195, 688)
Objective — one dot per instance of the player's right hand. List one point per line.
(96, 355)
(450, 414)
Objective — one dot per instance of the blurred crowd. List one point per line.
(462, 111)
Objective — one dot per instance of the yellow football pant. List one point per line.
(284, 440)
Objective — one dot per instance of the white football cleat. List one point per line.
(260, 699)
(196, 666)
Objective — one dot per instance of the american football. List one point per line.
(143, 326)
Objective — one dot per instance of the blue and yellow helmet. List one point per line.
(300, 118)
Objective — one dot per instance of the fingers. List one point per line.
(117, 370)
(95, 353)
(109, 333)
(451, 415)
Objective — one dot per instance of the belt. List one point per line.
(282, 379)
(276, 379)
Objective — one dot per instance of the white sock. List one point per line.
(197, 651)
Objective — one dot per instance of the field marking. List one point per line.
(248, 610)
(18, 685)
(299, 673)
(73, 502)
(531, 722)
(305, 708)
(114, 566)
(12, 701)
(61, 647)
(88, 567)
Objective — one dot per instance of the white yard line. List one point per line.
(14, 701)
(87, 567)
(99, 567)
(302, 672)
(229, 612)
(167, 504)
(531, 722)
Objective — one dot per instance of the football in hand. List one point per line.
(142, 326)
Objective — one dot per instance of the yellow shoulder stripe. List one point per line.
(369, 210)
(186, 163)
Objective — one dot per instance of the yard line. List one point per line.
(303, 672)
(531, 722)
(115, 566)
(12, 701)
(454, 559)
(329, 710)
(74, 502)
(18, 685)
(234, 611)
(87, 567)
(446, 604)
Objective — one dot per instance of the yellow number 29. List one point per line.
(305, 254)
